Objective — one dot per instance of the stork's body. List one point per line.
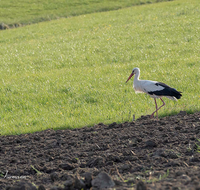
(154, 89)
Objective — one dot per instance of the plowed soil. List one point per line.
(163, 154)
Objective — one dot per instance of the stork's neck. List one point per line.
(136, 78)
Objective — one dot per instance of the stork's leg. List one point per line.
(157, 108)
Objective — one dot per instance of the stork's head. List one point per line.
(134, 71)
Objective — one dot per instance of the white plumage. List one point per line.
(154, 89)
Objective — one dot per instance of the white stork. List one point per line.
(154, 89)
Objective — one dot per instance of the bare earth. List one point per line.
(162, 154)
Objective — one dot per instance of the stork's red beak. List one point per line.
(129, 77)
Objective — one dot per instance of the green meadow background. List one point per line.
(71, 72)
(14, 12)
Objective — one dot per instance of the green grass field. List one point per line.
(24, 12)
(71, 72)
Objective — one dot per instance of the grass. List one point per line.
(37, 171)
(23, 12)
(148, 177)
(154, 179)
(70, 73)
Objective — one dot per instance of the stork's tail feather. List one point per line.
(176, 93)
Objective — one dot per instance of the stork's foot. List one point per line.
(152, 116)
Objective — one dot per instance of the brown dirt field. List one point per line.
(163, 154)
